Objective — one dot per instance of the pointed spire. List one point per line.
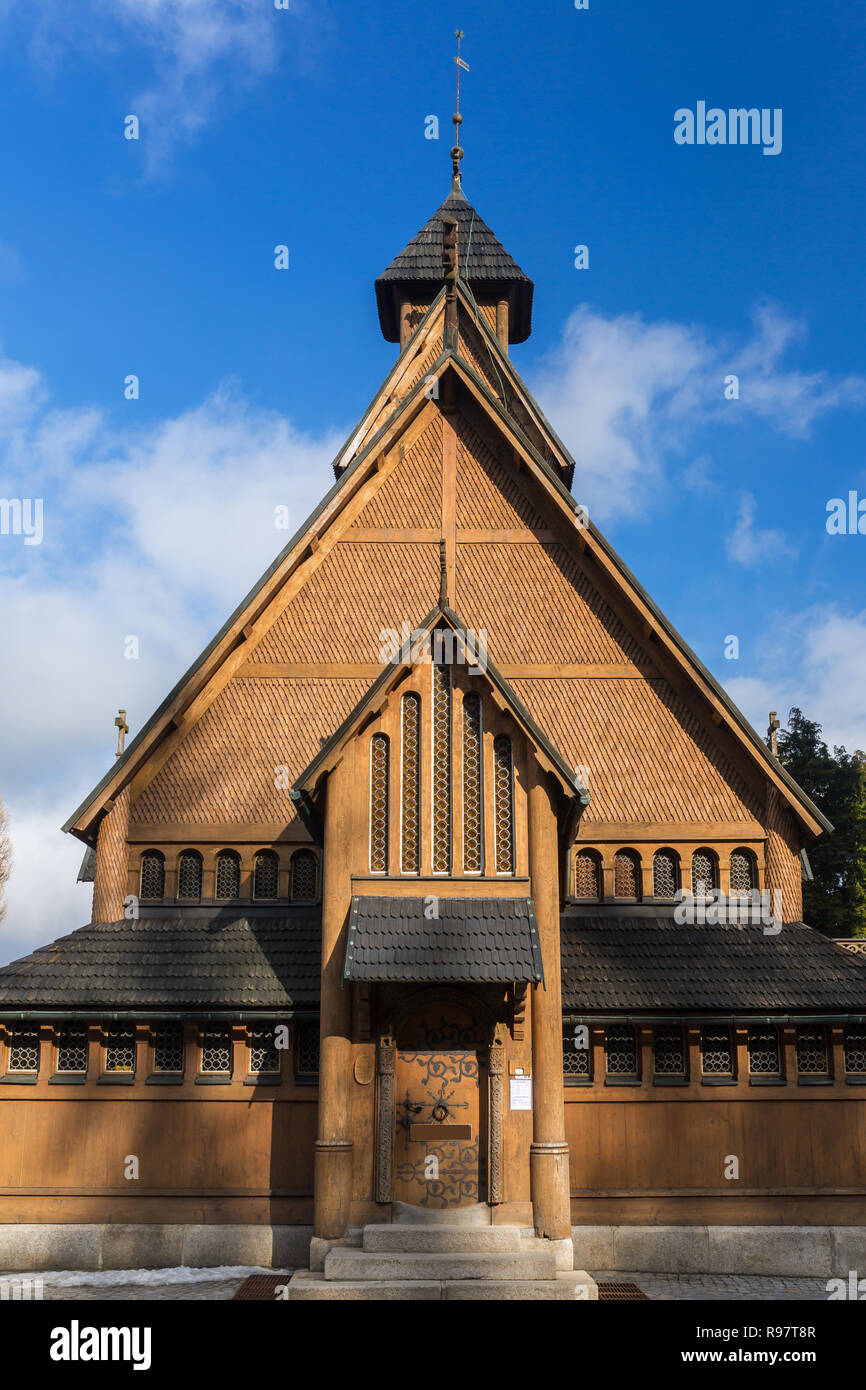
(456, 151)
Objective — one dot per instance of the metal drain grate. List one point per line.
(619, 1293)
(261, 1288)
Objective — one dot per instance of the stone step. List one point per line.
(399, 1265)
(307, 1286)
(565, 1288)
(403, 1213)
(440, 1239)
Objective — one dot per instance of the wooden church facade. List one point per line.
(385, 893)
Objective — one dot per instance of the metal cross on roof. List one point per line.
(456, 152)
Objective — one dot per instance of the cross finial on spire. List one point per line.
(772, 739)
(456, 152)
(122, 730)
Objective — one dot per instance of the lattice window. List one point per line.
(503, 803)
(742, 872)
(764, 1051)
(441, 768)
(669, 1053)
(716, 1052)
(473, 835)
(811, 1050)
(120, 1049)
(72, 1049)
(24, 1049)
(228, 874)
(626, 875)
(168, 1047)
(152, 875)
(264, 1056)
(189, 875)
(703, 873)
(576, 1061)
(666, 879)
(587, 875)
(621, 1050)
(855, 1049)
(266, 875)
(307, 1048)
(305, 876)
(216, 1049)
(379, 761)
(410, 786)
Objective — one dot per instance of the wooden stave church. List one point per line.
(282, 851)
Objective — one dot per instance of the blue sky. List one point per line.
(306, 127)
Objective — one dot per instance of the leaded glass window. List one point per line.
(24, 1049)
(264, 1056)
(441, 677)
(305, 876)
(587, 874)
(621, 1050)
(503, 804)
(307, 1054)
(168, 1047)
(152, 875)
(473, 817)
(626, 875)
(703, 873)
(228, 874)
(812, 1050)
(669, 1053)
(216, 1049)
(855, 1049)
(120, 1049)
(379, 761)
(742, 872)
(189, 875)
(266, 875)
(576, 1060)
(665, 875)
(72, 1048)
(410, 786)
(764, 1057)
(717, 1057)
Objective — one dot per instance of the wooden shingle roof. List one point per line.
(471, 940)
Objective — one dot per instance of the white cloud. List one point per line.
(752, 546)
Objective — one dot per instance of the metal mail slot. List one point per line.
(440, 1133)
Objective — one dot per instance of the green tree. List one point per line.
(835, 902)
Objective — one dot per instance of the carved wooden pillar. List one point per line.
(333, 1168)
(548, 1154)
(495, 1087)
(385, 1058)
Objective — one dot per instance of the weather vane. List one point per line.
(457, 153)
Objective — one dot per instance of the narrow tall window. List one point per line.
(120, 1049)
(669, 1053)
(665, 876)
(441, 712)
(216, 1049)
(473, 818)
(855, 1050)
(703, 873)
(812, 1051)
(168, 1048)
(621, 1051)
(24, 1050)
(379, 761)
(72, 1048)
(626, 875)
(764, 1051)
(307, 1049)
(503, 804)
(304, 877)
(576, 1058)
(189, 876)
(587, 875)
(410, 786)
(742, 872)
(228, 874)
(152, 875)
(716, 1052)
(266, 875)
(264, 1056)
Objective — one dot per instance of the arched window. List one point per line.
(587, 875)
(228, 874)
(503, 809)
(305, 875)
(189, 876)
(410, 786)
(441, 817)
(379, 761)
(152, 875)
(266, 875)
(743, 876)
(626, 874)
(473, 816)
(666, 875)
(704, 876)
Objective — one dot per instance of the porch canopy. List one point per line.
(443, 940)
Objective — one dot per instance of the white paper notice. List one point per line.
(521, 1093)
